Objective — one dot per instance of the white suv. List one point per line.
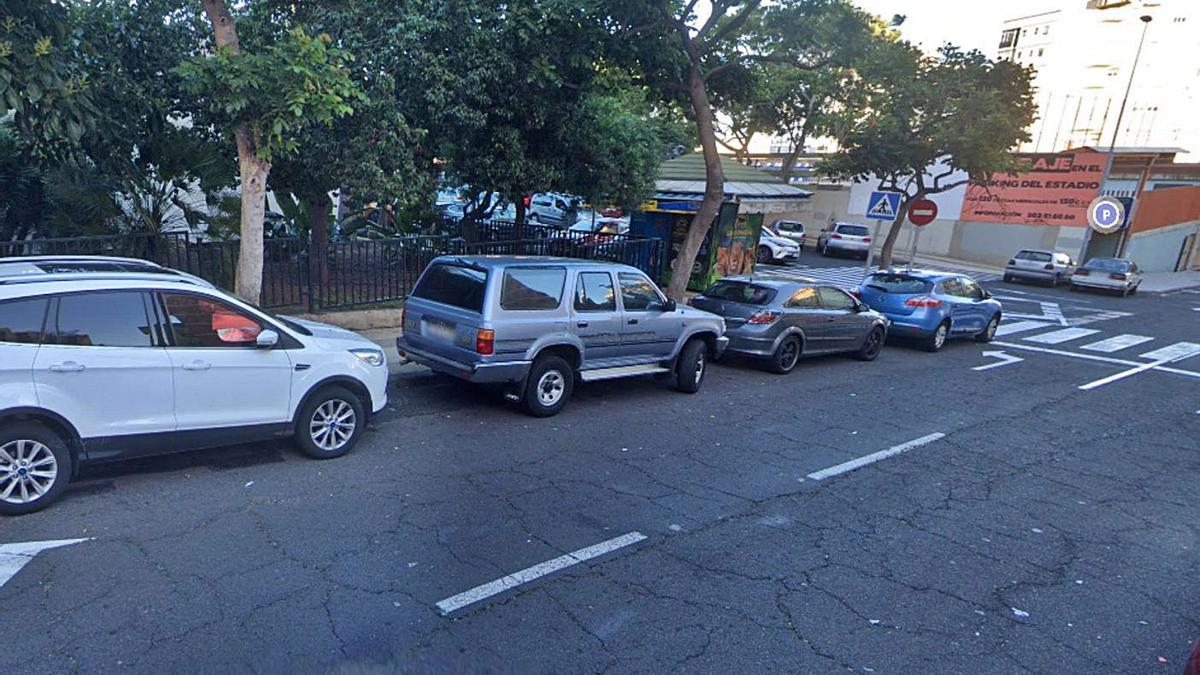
(104, 359)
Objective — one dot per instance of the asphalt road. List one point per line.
(1051, 529)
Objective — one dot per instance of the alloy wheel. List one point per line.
(550, 388)
(332, 424)
(28, 470)
(789, 354)
(939, 338)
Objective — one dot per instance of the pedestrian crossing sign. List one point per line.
(883, 205)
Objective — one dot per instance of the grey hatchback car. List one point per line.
(538, 324)
(782, 321)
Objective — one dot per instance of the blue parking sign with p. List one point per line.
(883, 205)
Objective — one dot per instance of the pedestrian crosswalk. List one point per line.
(1117, 343)
(850, 277)
(1091, 340)
(1056, 337)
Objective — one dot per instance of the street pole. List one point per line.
(871, 252)
(1112, 147)
(913, 253)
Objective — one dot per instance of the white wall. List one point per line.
(1158, 250)
(949, 203)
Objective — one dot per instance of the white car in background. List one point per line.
(773, 248)
(105, 359)
(791, 229)
(1120, 275)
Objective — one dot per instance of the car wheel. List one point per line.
(1134, 290)
(1054, 281)
(1074, 288)
(872, 345)
(786, 357)
(548, 386)
(330, 423)
(937, 339)
(691, 366)
(763, 256)
(989, 332)
(825, 250)
(1008, 278)
(35, 467)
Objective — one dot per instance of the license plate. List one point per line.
(437, 331)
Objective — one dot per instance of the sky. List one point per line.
(971, 24)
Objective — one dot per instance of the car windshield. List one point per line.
(898, 283)
(1108, 265)
(741, 291)
(853, 230)
(1036, 256)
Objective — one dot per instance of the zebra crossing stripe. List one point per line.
(1019, 327)
(1117, 343)
(1059, 336)
(1175, 352)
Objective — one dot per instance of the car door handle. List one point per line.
(581, 324)
(633, 321)
(197, 365)
(67, 367)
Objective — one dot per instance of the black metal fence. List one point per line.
(351, 273)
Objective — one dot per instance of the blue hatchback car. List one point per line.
(932, 306)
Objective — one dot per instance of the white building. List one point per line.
(1083, 51)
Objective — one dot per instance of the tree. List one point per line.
(696, 60)
(263, 97)
(913, 111)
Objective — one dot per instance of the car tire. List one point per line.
(937, 339)
(825, 250)
(1134, 290)
(872, 345)
(989, 331)
(786, 356)
(41, 448)
(763, 255)
(691, 366)
(1008, 278)
(548, 386)
(330, 423)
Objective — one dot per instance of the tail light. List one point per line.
(922, 301)
(867, 240)
(485, 341)
(835, 235)
(1048, 266)
(764, 318)
(1081, 273)
(856, 293)
(1119, 276)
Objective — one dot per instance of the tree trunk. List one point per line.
(714, 186)
(519, 221)
(318, 239)
(252, 168)
(889, 242)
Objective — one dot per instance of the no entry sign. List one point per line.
(922, 212)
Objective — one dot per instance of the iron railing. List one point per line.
(351, 273)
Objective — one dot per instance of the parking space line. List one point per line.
(1059, 336)
(13, 557)
(1020, 326)
(853, 464)
(485, 591)
(1117, 343)
(1094, 357)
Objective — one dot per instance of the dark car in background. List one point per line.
(932, 307)
(783, 321)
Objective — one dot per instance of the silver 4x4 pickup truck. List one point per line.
(539, 324)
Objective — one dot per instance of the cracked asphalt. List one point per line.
(1052, 530)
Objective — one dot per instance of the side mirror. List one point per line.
(670, 306)
(266, 339)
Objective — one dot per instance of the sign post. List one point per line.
(880, 207)
(920, 213)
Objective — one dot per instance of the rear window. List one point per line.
(853, 230)
(1035, 256)
(740, 291)
(453, 285)
(898, 283)
(1108, 265)
(532, 287)
(21, 321)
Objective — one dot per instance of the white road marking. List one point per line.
(1093, 357)
(538, 571)
(1019, 326)
(1005, 360)
(1060, 336)
(15, 556)
(853, 464)
(1175, 352)
(1050, 312)
(1117, 343)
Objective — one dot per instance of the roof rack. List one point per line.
(180, 278)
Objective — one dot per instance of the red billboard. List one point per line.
(1053, 189)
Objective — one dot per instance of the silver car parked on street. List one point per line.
(1120, 275)
(1030, 264)
(844, 238)
(781, 321)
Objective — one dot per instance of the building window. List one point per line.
(1009, 38)
(1045, 30)
(1041, 51)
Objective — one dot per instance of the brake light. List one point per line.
(1081, 273)
(835, 235)
(856, 293)
(922, 301)
(1048, 266)
(764, 318)
(867, 240)
(485, 341)
(1119, 276)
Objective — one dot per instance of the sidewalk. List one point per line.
(1166, 282)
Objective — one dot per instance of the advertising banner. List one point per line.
(1055, 189)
